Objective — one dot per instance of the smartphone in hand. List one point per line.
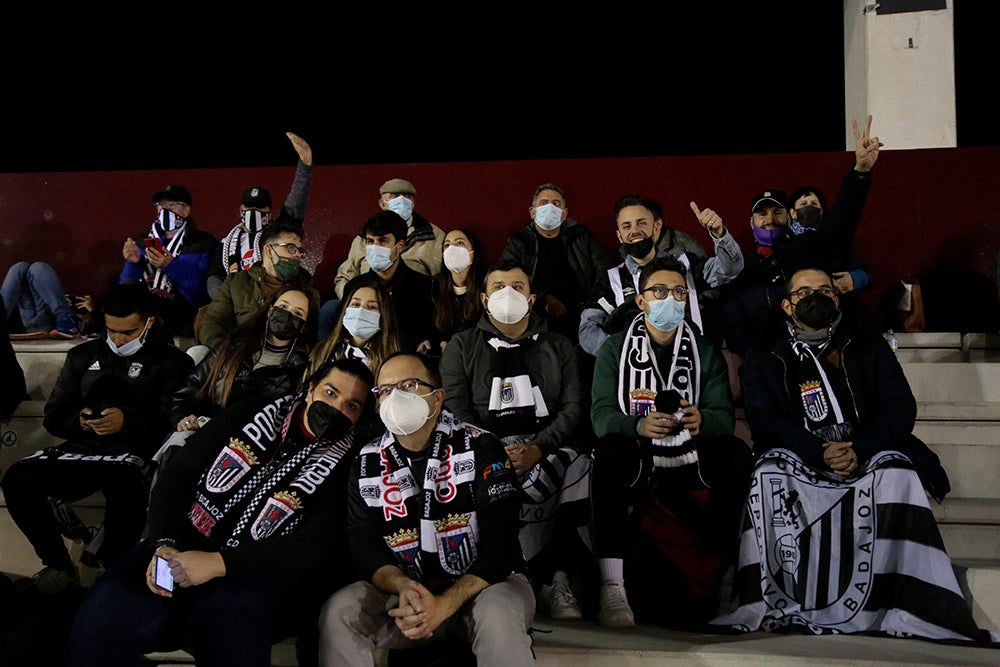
(154, 243)
(164, 579)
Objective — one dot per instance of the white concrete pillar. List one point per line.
(901, 69)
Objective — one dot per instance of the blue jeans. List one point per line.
(225, 621)
(34, 289)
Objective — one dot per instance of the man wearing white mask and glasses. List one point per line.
(562, 258)
(432, 521)
(513, 376)
(663, 412)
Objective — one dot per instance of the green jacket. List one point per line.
(238, 300)
(715, 402)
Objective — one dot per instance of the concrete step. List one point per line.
(970, 528)
(955, 383)
(929, 339)
(969, 451)
(929, 355)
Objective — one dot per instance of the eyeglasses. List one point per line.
(168, 204)
(409, 385)
(662, 292)
(803, 292)
(293, 250)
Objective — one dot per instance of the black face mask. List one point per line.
(809, 216)
(283, 325)
(327, 422)
(639, 249)
(816, 311)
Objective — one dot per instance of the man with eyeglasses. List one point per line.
(663, 413)
(243, 293)
(110, 408)
(831, 415)
(432, 523)
(172, 260)
(240, 248)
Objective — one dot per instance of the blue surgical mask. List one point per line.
(401, 206)
(665, 314)
(379, 258)
(131, 347)
(361, 323)
(548, 217)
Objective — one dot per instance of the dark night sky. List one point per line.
(768, 78)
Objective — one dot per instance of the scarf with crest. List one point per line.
(155, 278)
(822, 412)
(640, 379)
(430, 520)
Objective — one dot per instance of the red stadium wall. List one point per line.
(926, 207)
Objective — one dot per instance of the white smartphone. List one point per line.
(164, 579)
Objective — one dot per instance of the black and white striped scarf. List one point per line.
(640, 379)
(822, 411)
(240, 248)
(433, 518)
(155, 278)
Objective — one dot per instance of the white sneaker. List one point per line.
(615, 612)
(558, 601)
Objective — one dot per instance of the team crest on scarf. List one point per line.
(830, 527)
(456, 544)
(641, 402)
(134, 370)
(814, 401)
(405, 543)
(276, 511)
(230, 465)
(507, 392)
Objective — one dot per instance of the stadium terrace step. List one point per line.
(969, 451)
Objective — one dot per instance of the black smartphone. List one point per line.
(164, 579)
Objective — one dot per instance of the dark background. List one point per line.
(719, 78)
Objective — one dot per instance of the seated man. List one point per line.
(172, 261)
(385, 244)
(110, 403)
(432, 519)
(562, 258)
(838, 536)
(34, 290)
(240, 248)
(663, 413)
(243, 293)
(640, 224)
(249, 518)
(512, 376)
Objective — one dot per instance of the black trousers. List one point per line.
(623, 471)
(70, 472)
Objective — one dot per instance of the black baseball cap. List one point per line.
(173, 193)
(770, 195)
(256, 197)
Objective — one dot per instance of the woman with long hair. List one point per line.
(366, 326)
(457, 287)
(265, 358)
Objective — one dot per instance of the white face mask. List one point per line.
(404, 413)
(361, 323)
(131, 347)
(507, 305)
(548, 217)
(457, 258)
(401, 206)
(379, 257)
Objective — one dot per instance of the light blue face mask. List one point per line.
(131, 347)
(401, 206)
(548, 217)
(379, 258)
(665, 314)
(362, 323)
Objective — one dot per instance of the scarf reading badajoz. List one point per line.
(640, 379)
(433, 517)
(252, 490)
